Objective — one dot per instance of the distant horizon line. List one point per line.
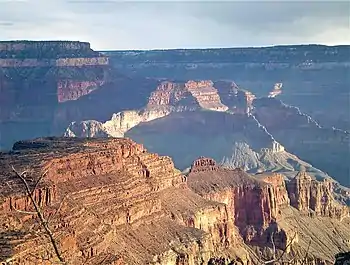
(180, 48)
(226, 47)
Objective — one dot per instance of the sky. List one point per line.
(120, 25)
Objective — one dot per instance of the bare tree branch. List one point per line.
(40, 215)
(37, 182)
(20, 211)
(274, 250)
(307, 252)
(58, 209)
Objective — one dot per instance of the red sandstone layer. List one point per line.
(119, 204)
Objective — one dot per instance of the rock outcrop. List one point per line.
(260, 205)
(110, 201)
(72, 90)
(309, 194)
(114, 199)
(277, 89)
(238, 100)
(253, 202)
(167, 98)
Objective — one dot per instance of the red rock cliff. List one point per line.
(116, 202)
(112, 202)
(309, 194)
(190, 95)
(252, 202)
(258, 204)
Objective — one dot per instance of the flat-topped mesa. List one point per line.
(43, 51)
(49, 54)
(51, 72)
(315, 197)
(27, 45)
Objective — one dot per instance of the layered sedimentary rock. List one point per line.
(189, 95)
(265, 211)
(167, 98)
(112, 202)
(252, 201)
(280, 189)
(36, 77)
(206, 95)
(72, 90)
(315, 77)
(306, 193)
(238, 100)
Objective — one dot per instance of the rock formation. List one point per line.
(277, 89)
(260, 204)
(37, 76)
(116, 198)
(238, 100)
(309, 194)
(167, 98)
(72, 90)
(112, 202)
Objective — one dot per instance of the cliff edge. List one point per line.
(111, 202)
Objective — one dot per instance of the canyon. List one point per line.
(110, 201)
(41, 83)
(184, 157)
(81, 92)
(315, 77)
(239, 129)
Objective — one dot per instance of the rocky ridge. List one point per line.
(114, 189)
(167, 98)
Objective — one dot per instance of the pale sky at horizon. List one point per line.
(109, 24)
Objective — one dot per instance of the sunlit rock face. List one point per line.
(306, 193)
(120, 203)
(107, 190)
(167, 98)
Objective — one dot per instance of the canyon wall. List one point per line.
(112, 202)
(308, 194)
(62, 62)
(257, 204)
(168, 97)
(106, 190)
(36, 77)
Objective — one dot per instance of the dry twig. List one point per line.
(43, 222)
